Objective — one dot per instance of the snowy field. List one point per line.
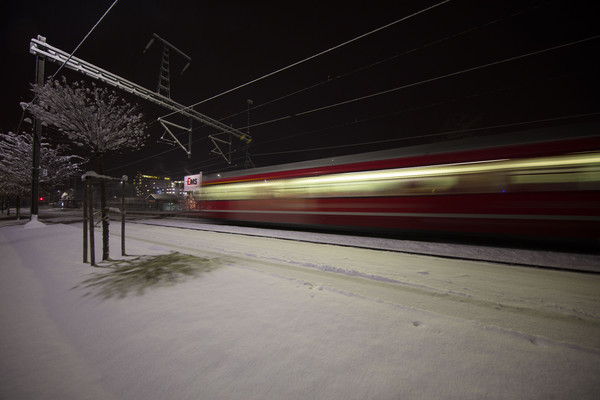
(211, 315)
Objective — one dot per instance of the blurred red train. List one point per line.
(538, 184)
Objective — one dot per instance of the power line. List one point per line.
(406, 86)
(393, 90)
(397, 112)
(376, 63)
(83, 40)
(315, 55)
(382, 116)
(413, 84)
(209, 162)
(432, 134)
(69, 58)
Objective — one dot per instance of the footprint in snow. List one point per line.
(538, 342)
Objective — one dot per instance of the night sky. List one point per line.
(405, 74)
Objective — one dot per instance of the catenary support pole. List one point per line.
(189, 150)
(37, 133)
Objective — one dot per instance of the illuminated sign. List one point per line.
(192, 182)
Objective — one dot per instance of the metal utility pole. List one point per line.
(164, 88)
(247, 160)
(40, 63)
(164, 81)
(249, 102)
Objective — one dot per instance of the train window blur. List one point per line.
(557, 173)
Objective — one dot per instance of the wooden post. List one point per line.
(123, 181)
(85, 221)
(90, 200)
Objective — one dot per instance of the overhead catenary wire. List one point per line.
(377, 63)
(397, 112)
(298, 63)
(421, 82)
(210, 162)
(313, 56)
(306, 112)
(498, 62)
(429, 135)
(84, 39)
(69, 58)
(206, 165)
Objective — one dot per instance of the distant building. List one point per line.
(164, 202)
(176, 188)
(150, 184)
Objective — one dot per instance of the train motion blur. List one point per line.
(538, 184)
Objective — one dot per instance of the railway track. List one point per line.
(572, 261)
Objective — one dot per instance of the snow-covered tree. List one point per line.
(92, 117)
(15, 167)
(58, 164)
(16, 164)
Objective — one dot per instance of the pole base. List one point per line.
(34, 223)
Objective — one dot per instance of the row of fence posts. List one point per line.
(89, 178)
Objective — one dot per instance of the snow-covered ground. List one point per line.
(263, 318)
(530, 257)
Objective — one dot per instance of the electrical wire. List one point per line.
(311, 57)
(68, 58)
(383, 61)
(413, 84)
(432, 134)
(206, 165)
(371, 65)
(83, 40)
(409, 109)
(397, 89)
(393, 89)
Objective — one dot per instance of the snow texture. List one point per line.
(551, 259)
(16, 161)
(90, 116)
(278, 319)
(97, 176)
(34, 223)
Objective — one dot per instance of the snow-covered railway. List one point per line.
(512, 256)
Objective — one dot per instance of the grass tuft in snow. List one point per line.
(136, 275)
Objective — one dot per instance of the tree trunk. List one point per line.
(103, 209)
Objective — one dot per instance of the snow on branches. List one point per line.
(92, 117)
(16, 163)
